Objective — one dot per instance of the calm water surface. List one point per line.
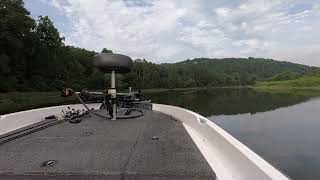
(282, 128)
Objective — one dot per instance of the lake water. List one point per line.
(282, 128)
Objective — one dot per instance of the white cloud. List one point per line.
(222, 12)
(168, 31)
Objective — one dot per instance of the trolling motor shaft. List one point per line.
(113, 63)
(113, 94)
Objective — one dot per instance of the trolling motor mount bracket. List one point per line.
(112, 91)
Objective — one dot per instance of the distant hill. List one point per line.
(259, 67)
(202, 72)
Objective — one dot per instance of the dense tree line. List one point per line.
(34, 57)
(204, 72)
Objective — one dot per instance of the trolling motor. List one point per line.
(112, 63)
(110, 99)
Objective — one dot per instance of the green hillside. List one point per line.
(260, 67)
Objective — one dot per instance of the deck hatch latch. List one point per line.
(49, 163)
(155, 138)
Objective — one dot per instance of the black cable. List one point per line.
(121, 117)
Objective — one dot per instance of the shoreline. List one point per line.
(18, 101)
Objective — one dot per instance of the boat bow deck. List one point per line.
(98, 148)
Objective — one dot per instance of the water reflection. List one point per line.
(226, 101)
(286, 137)
(282, 128)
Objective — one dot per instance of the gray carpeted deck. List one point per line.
(98, 148)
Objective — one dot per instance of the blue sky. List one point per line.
(174, 30)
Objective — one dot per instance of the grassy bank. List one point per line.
(303, 86)
(304, 82)
(18, 101)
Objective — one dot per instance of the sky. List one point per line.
(174, 30)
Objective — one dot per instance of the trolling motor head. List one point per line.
(108, 62)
